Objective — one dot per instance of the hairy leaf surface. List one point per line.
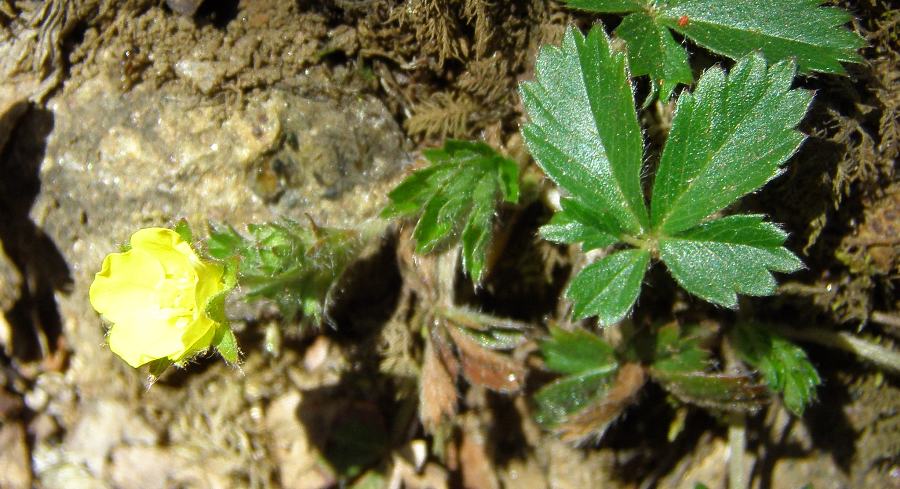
(653, 51)
(572, 352)
(456, 198)
(735, 254)
(728, 138)
(609, 287)
(583, 129)
(784, 365)
(781, 29)
(589, 364)
(579, 223)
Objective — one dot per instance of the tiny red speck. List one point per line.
(683, 21)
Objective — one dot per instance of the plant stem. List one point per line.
(737, 429)
(886, 358)
(737, 443)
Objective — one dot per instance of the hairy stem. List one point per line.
(886, 358)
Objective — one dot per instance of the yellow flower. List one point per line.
(155, 296)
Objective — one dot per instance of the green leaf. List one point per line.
(679, 351)
(716, 391)
(653, 51)
(735, 254)
(577, 222)
(583, 129)
(576, 351)
(781, 29)
(608, 6)
(784, 365)
(609, 288)
(456, 198)
(728, 138)
(566, 396)
(158, 367)
(589, 363)
(184, 230)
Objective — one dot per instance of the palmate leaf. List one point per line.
(456, 198)
(783, 365)
(781, 29)
(583, 129)
(728, 138)
(718, 259)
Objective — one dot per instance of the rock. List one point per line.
(142, 467)
(204, 75)
(290, 448)
(103, 426)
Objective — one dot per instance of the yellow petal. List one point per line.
(197, 338)
(126, 285)
(142, 339)
(209, 282)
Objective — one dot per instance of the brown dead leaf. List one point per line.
(437, 391)
(485, 367)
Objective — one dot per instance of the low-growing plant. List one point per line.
(728, 138)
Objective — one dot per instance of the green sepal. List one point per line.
(184, 230)
(226, 344)
(158, 367)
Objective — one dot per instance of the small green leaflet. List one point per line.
(457, 195)
(609, 287)
(677, 352)
(583, 129)
(728, 138)
(576, 351)
(783, 365)
(579, 223)
(718, 259)
(781, 29)
(588, 363)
